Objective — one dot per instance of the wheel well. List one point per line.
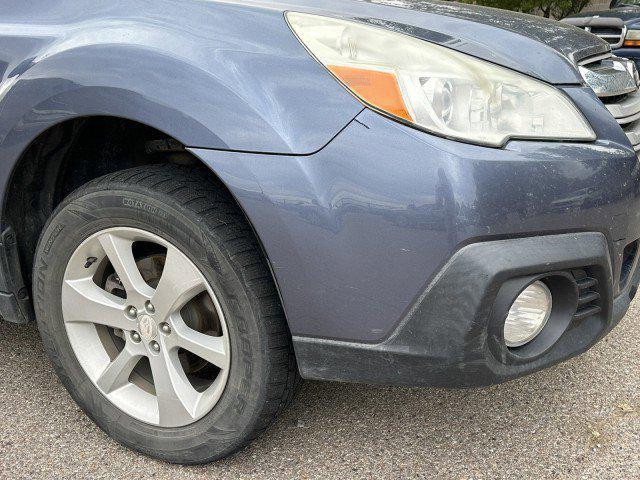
(70, 154)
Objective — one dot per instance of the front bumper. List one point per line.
(360, 233)
(452, 337)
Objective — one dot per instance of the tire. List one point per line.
(190, 210)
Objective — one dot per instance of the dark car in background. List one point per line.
(619, 26)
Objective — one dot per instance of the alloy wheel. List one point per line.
(146, 326)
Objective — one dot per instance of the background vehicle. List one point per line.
(619, 26)
(215, 199)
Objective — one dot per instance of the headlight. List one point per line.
(632, 38)
(438, 89)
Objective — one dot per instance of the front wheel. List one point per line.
(160, 315)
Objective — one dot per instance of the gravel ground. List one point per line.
(578, 420)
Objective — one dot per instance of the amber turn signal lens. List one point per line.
(632, 43)
(379, 89)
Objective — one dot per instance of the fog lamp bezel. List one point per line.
(564, 292)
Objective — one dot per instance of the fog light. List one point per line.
(528, 315)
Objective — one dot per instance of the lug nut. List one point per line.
(149, 306)
(155, 346)
(165, 328)
(135, 336)
(132, 311)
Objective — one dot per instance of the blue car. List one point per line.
(204, 202)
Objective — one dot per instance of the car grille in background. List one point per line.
(611, 30)
(612, 35)
(613, 82)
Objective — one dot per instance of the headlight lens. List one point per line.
(436, 88)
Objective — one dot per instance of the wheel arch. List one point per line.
(56, 162)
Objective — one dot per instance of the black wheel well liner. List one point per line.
(71, 153)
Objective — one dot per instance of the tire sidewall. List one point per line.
(238, 409)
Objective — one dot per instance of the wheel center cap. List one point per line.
(147, 327)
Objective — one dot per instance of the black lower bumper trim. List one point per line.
(451, 337)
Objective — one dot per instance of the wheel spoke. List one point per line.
(153, 326)
(84, 301)
(177, 399)
(116, 374)
(120, 253)
(207, 347)
(179, 283)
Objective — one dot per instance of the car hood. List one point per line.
(539, 47)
